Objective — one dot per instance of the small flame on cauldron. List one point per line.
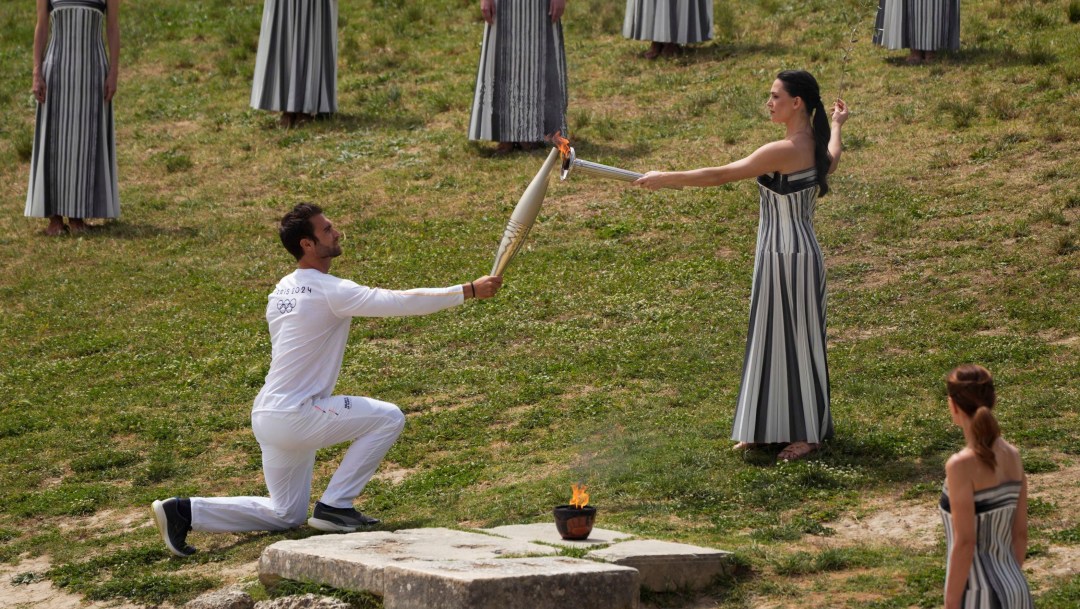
(580, 498)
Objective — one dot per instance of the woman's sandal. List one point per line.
(742, 447)
(77, 226)
(654, 50)
(796, 451)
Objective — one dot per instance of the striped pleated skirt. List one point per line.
(995, 580)
(922, 25)
(73, 164)
(784, 395)
(296, 64)
(520, 91)
(678, 21)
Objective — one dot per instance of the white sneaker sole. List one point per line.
(329, 527)
(158, 508)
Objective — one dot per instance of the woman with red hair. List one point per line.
(984, 503)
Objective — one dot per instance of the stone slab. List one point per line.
(667, 566)
(356, 561)
(536, 583)
(447, 569)
(545, 532)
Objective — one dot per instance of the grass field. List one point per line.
(130, 356)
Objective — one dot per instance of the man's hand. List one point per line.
(487, 9)
(486, 286)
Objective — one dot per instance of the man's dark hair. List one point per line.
(296, 225)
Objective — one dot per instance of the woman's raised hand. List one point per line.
(839, 112)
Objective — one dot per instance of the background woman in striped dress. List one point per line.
(296, 64)
(924, 26)
(784, 396)
(73, 165)
(984, 503)
(520, 92)
(669, 24)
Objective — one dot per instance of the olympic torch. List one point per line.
(524, 215)
(570, 162)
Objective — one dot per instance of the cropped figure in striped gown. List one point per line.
(784, 397)
(669, 24)
(984, 503)
(296, 63)
(73, 165)
(520, 92)
(924, 26)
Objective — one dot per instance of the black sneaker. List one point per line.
(174, 527)
(338, 520)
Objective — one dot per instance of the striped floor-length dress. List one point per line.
(521, 93)
(73, 164)
(784, 396)
(922, 25)
(678, 21)
(296, 63)
(995, 580)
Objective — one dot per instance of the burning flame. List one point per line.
(581, 498)
(561, 143)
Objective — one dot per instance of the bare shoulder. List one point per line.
(1013, 462)
(777, 149)
(962, 463)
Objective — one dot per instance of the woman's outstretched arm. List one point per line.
(767, 159)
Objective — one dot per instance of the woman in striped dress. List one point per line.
(669, 24)
(784, 397)
(73, 165)
(924, 26)
(296, 64)
(984, 503)
(520, 92)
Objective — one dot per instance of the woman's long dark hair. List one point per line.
(799, 83)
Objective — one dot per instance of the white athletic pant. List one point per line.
(289, 441)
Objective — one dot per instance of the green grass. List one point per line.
(131, 354)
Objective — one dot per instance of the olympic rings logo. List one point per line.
(286, 305)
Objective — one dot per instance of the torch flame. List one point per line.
(561, 143)
(581, 498)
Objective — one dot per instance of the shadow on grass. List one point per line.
(349, 122)
(722, 51)
(966, 56)
(121, 229)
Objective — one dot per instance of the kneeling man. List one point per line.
(294, 415)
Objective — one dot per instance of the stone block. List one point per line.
(356, 561)
(667, 566)
(303, 601)
(447, 569)
(536, 583)
(228, 598)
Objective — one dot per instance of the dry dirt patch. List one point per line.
(917, 523)
(41, 594)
